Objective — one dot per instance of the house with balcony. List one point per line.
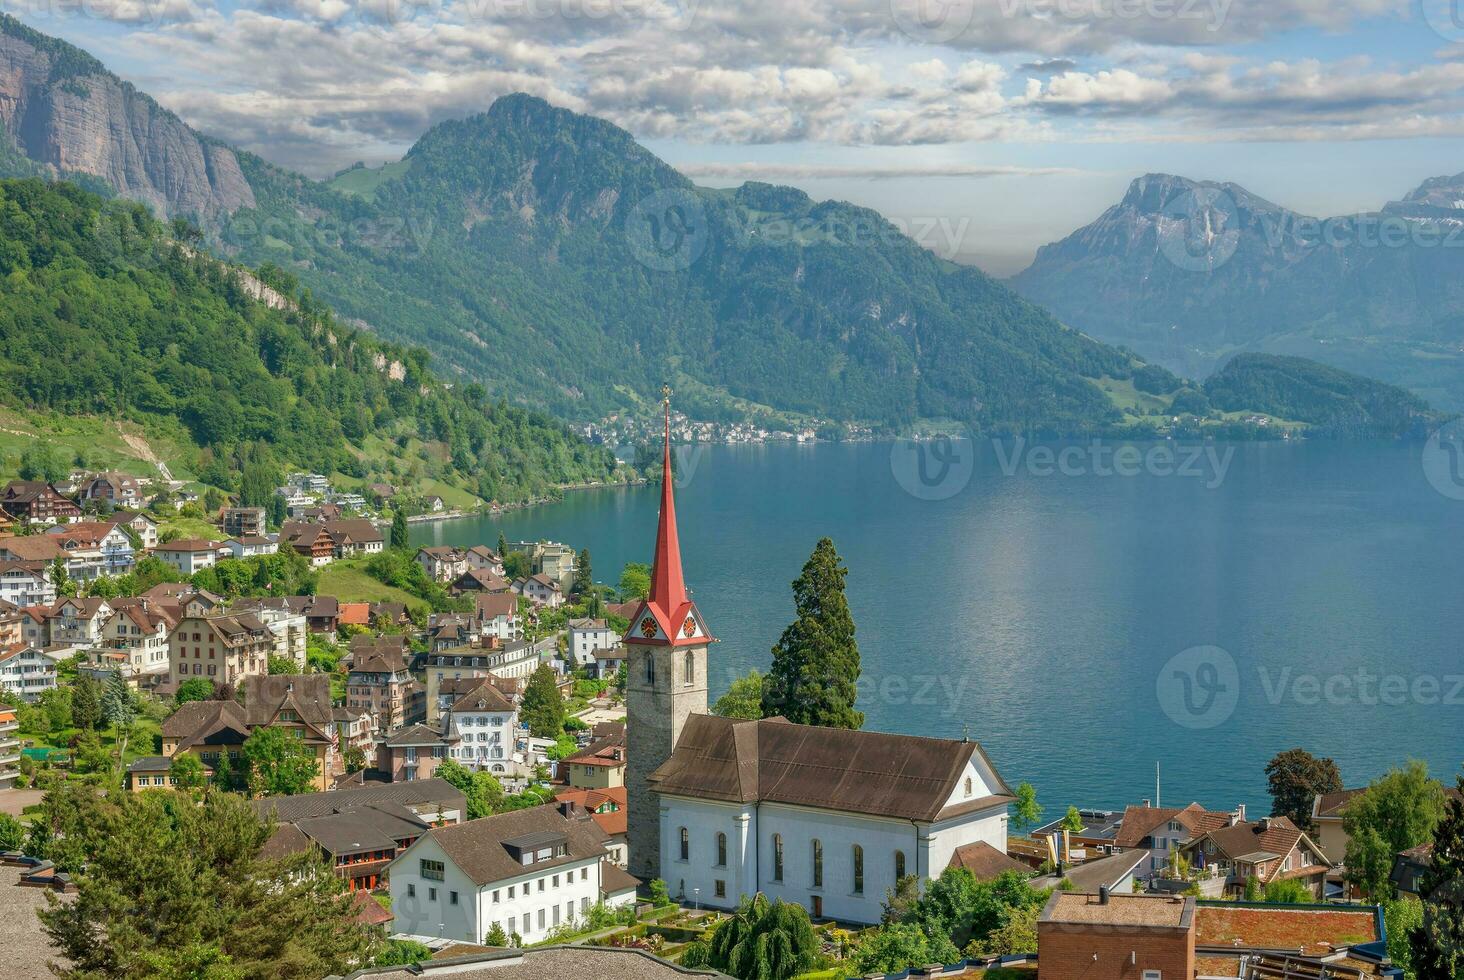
(379, 682)
(481, 730)
(37, 502)
(141, 525)
(102, 545)
(443, 563)
(360, 831)
(1270, 849)
(189, 555)
(412, 753)
(222, 648)
(244, 522)
(1158, 830)
(79, 622)
(587, 636)
(9, 745)
(26, 671)
(139, 630)
(117, 489)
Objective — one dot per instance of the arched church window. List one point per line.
(685, 845)
(690, 669)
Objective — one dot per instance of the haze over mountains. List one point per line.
(548, 256)
(1187, 273)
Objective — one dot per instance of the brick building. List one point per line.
(1117, 937)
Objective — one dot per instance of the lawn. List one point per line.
(189, 527)
(347, 580)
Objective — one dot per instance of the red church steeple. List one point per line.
(668, 616)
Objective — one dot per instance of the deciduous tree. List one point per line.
(1296, 779)
(278, 764)
(743, 699)
(1396, 812)
(764, 940)
(1437, 943)
(1026, 811)
(542, 708)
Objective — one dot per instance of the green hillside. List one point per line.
(107, 315)
(1332, 401)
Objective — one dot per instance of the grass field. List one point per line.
(103, 443)
(190, 527)
(363, 181)
(347, 580)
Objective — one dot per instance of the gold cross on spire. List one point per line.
(666, 394)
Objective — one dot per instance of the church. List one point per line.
(829, 819)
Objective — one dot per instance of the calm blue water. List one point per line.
(1042, 610)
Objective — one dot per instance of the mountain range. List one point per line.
(548, 257)
(1187, 273)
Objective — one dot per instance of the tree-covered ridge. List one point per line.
(1333, 401)
(105, 313)
(505, 243)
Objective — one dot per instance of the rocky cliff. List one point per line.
(68, 115)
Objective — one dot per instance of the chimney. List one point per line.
(1147, 804)
(1102, 894)
(1264, 824)
(1240, 813)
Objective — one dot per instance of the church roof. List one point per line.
(775, 761)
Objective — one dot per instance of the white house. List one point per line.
(541, 590)
(820, 817)
(142, 525)
(588, 635)
(139, 629)
(24, 583)
(482, 728)
(189, 555)
(526, 871)
(496, 614)
(251, 545)
(26, 671)
(79, 621)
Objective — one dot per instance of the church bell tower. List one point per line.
(666, 676)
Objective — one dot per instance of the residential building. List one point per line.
(326, 540)
(443, 563)
(103, 544)
(189, 555)
(212, 730)
(244, 522)
(79, 621)
(355, 614)
(300, 704)
(357, 842)
(155, 772)
(556, 562)
(26, 671)
(586, 636)
(434, 504)
(1327, 816)
(481, 729)
(379, 681)
(1159, 830)
(117, 489)
(600, 765)
(1266, 850)
(1114, 936)
(12, 625)
(37, 502)
(355, 730)
(512, 660)
(412, 753)
(527, 872)
(82, 563)
(9, 745)
(479, 580)
(139, 630)
(485, 559)
(1409, 867)
(288, 625)
(321, 612)
(609, 662)
(607, 807)
(251, 546)
(497, 616)
(540, 589)
(142, 525)
(223, 648)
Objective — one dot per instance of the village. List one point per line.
(518, 773)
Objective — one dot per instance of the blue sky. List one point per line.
(995, 125)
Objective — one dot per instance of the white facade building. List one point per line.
(26, 671)
(527, 871)
(482, 729)
(824, 818)
(588, 635)
(26, 584)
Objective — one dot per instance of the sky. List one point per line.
(986, 128)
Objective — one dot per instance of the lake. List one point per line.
(1086, 610)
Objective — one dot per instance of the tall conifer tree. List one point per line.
(816, 660)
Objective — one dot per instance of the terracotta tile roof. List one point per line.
(369, 911)
(355, 614)
(1331, 804)
(984, 861)
(1141, 821)
(189, 545)
(857, 771)
(608, 752)
(32, 547)
(613, 799)
(615, 880)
